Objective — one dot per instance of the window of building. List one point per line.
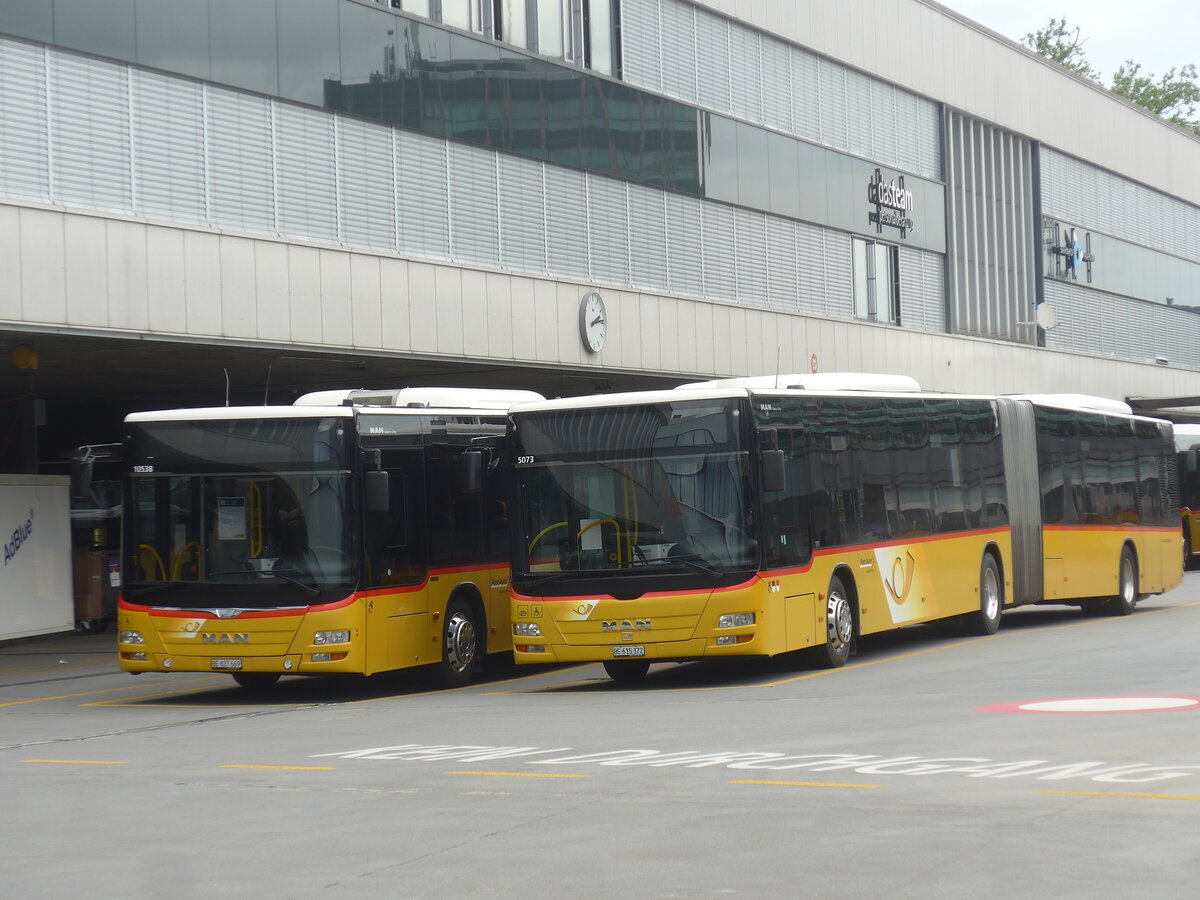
(876, 281)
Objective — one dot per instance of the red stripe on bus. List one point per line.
(124, 604)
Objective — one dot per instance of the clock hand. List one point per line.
(598, 320)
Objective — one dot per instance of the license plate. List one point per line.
(629, 650)
(227, 665)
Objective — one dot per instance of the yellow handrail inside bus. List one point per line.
(614, 523)
(181, 556)
(541, 534)
(146, 551)
(254, 501)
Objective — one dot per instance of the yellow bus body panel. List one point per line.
(390, 628)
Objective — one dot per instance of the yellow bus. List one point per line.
(1187, 446)
(766, 515)
(352, 532)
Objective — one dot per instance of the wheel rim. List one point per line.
(460, 642)
(991, 593)
(840, 622)
(1127, 587)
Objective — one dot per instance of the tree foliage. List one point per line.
(1173, 96)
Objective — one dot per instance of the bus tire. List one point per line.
(627, 671)
(256, 681)
(839, 626)
(991, 600)
(1127, 586)
(460, 644)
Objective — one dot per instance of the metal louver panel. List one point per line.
(836, 277)
(922, 290)
(474, 213)
(783, 277)
(641, 55)
(608, 208)
(522, 214)
(834, 104)
(168, 147)
(305, 177)
(860, 128)
(685, 252)
(810, 261)
(720, 279)
(566, 223)
(751, 257)
(776, 83)
(421, 183)
(744, 50)
(806, 95)
(366, 186)
(241, 156)
(91, 153)
(679, 76)
(24, 138)
(712, 48)
(647, 238)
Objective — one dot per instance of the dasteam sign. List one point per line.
(893, 204)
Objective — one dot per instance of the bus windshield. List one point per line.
(245, 513)
(634, 490)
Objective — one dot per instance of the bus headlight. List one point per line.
(130, 637)
(735, 620)
(527, 629)
(331, 637)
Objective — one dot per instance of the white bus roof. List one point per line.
(1086, 402)
(326, 404)
(821, 381)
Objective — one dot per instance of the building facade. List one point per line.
(748, 186)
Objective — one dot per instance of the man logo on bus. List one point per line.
(901, 580)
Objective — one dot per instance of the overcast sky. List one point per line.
(1159, 34)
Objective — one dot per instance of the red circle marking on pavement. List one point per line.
(1093, 706)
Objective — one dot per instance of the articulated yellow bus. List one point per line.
(353, 532)
(762, 516)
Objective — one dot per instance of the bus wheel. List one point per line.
(627, 670)
(839, 627)
(256, 681)
(460, 645)
(1127, 590)
(991, 599)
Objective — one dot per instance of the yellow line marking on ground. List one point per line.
(521, 774)
(284, 768)
(79, 762)
(817, 784)
(1119, 794)
(87, 694)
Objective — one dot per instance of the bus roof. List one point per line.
(1087, 402)
(343, 403)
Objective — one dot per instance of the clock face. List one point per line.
(593, 322)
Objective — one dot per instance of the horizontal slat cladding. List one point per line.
(422, 189)
(24, 136)
(685, 254)
(922, 290)
(473, 205)
(608, 207)
(567, 223)
(648, 238)
(712, 49)
(241, 158)
(90, 102)
(751, 257)
(366, 184)
(720, 278)
(783, 283)
(641, 54)
(777, 85)
(679, 51)
(306, 180)
(746, 72)
(522, 214)
(168, 146)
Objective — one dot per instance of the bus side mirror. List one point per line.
(774, 476)
(470, 471)
(376, 491)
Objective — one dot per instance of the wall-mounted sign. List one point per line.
(1071, 250)
(893, 204)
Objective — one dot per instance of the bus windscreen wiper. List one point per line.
(696, 561)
